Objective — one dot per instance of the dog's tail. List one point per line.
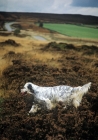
(85, 88)
(78, 94)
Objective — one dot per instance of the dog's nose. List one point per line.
(21, 90)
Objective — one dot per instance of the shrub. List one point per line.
(40, 24)
(17, 31)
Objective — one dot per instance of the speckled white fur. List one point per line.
(52, 95)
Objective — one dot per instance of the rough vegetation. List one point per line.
(55, 18)
(9, 42)
(78, 65)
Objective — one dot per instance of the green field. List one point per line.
(73, 30)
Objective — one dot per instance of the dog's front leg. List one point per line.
(33, 109)
(49, 104)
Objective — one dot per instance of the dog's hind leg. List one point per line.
(78, 95)
(76, 103)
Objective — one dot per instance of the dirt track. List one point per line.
(77, 67)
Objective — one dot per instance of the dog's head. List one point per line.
(27, 89)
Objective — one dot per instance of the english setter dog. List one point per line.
(50, 96)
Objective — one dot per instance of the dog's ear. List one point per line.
(30, 88)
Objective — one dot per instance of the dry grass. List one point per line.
(48, 58)
(30, 50)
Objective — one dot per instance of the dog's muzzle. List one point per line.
(23, 91)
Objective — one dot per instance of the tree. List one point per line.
(40, 24)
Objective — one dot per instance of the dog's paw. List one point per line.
(33, 109)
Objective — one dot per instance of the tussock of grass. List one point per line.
(59, 46)
(4, 64)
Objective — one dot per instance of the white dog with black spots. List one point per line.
(50, 96)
